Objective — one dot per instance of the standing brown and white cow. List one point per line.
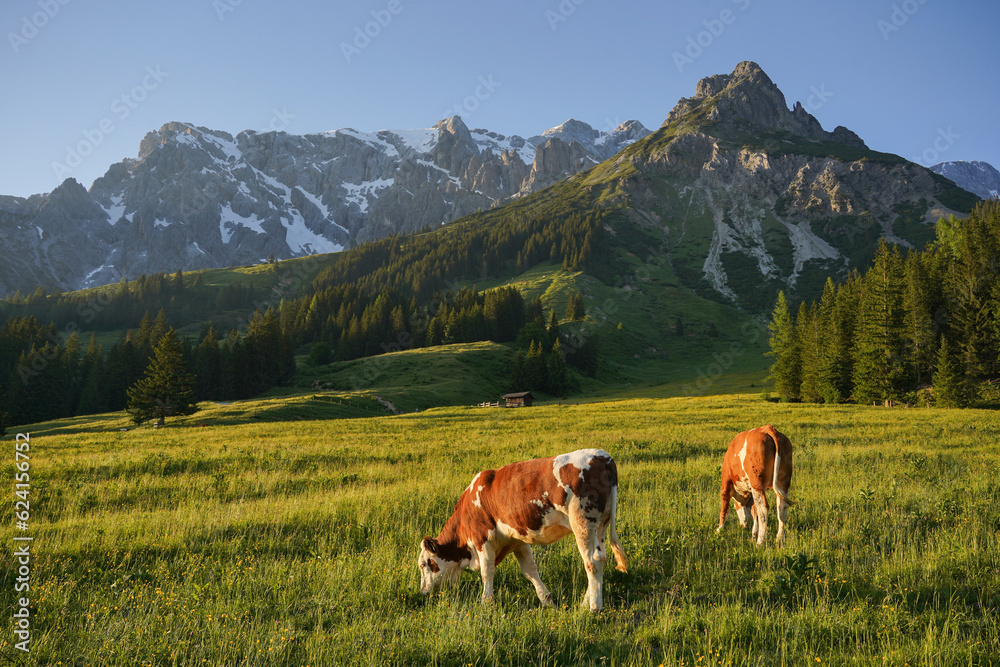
(531, 502)
(756, 461)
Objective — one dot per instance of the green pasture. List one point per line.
(253, 541)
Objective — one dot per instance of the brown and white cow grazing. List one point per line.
(531, 502)
(756, 461)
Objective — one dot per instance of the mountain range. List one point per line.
(197, 198)
(745, 194)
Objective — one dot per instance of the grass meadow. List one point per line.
(294, 542)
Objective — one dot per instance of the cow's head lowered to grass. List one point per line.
(531, 502)
(440, 565)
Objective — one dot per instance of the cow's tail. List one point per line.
(620, 559)
(773, 432)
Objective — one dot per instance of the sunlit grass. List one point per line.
(294, 543)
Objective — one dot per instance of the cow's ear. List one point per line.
(430, 545)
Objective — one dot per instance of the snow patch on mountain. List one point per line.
(116, 210)
(315, 201)
(370, 138)
(229, 220)
(498, 143)
(303, 240)
(420, 140)
(359, 193)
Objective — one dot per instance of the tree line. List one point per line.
(44, 375)
(918, 326)
(122, 305)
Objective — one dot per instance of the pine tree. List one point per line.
(519, 373)
(969, 281)
(575, 308)
(553, 329)
(879, 364)
(167, 388)
(809, 334)
(951, 387)
(830, 384)
(535, 367)
(208, 367)
(786, 371)
(557, 373)
(918, 322)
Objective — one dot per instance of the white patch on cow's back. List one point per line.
(472, 489)
(472, 484)
(743, 455)
(579, 459)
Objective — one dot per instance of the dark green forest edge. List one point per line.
(920, 328)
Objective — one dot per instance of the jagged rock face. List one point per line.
(197, 198)
(752, 197)
(747, 99)
(979, 178)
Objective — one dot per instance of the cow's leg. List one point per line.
(726, 493)
(760, 508)
(530, 570)
(487, 566)
(585, 531)
(782, 519)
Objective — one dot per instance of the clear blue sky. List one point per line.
(913, 77)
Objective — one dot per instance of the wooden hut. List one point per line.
(520, 399)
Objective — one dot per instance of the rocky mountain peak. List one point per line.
(573, 130)
(747, 100)
(631, 129)
(747, 74)
(454, 125)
